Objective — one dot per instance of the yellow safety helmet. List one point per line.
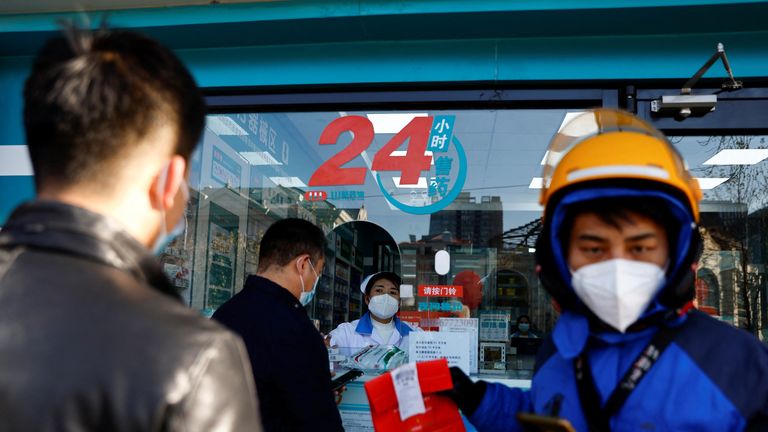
(608, 154)
(607, 144)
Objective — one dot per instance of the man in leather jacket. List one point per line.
(92, 335)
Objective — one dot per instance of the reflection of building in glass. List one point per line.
(520, 291)
(723, 263)
(708, 291)
(512, 290)
(418, 261)
(226, 221)
(517, 257)
(418, 257)
(522, 237)
(476, 222)
(757, 233)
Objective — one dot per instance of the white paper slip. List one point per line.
(464, 325)
(408, 391)
(454, 347)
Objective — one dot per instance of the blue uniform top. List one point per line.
(712, 377)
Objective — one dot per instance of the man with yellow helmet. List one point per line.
(618, 253)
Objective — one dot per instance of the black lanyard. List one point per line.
(598, 419)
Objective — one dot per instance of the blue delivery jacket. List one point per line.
(712, 377)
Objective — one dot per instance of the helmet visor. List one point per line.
(630, 148)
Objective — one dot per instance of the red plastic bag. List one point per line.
(442, 414)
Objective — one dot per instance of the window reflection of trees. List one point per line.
(517, 255)
(734, 230)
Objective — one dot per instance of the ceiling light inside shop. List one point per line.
(554, 158)
(587, 125)
(404, 152)
(259, 158)
(223, 125)
(532, 206)
(422, 184)
(738, 157)
(710, 183)
(704, 183)
(391, 123)
(288, 182)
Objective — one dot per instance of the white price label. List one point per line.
(409, 399)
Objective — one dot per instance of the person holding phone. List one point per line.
(379, 325)
(288, 357)
(618, 253)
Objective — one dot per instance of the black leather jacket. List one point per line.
(94, 338)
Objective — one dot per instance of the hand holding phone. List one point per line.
(341, 380)
(536, 423)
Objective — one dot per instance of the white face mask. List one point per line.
(306, 296)
(383, 306)
(618, 291)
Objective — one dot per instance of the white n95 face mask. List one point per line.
(383, 306)
(618, 290)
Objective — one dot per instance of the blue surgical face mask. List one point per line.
(165, 237)
(523, 327)
(306, 296)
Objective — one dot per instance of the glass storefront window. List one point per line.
(731, 282)
(392, 188)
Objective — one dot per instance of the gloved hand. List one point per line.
(466, 393)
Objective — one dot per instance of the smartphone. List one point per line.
(537, 423)
(341, 380)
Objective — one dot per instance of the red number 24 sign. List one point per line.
(410, 166)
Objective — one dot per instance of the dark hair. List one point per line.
(386, 275)
(92, 95)
(523, 316)
(614, 211)
(288, 238)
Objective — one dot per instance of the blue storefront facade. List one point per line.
(326, 47)
(503, 75)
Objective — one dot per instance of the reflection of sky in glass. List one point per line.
(504, 149)
(268, 159)
(746, 183)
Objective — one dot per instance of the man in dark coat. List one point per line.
(288, 356)
(92, 335)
